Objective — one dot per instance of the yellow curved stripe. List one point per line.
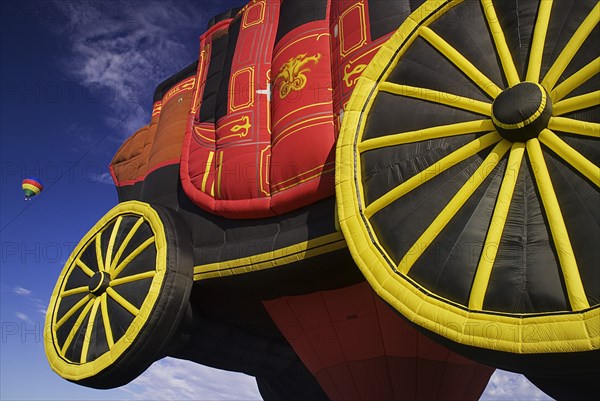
(432, 171)
(572, 47)
(494, 235)
(74, 291)
(122, 301)
(529, 119)
(461, 197)
(32, 188)
(207, 170)
(539, 40)
(88, 331)
(464, 65)
(572, 126)
(71, 311)
(560, 235)
(132, 278)
(575, 80)
(124, 244)
(84, 268)
(75, 328)
(106, 320)
(131, 256)
(571, 156)
(508, 65)
(442, 131)
(576, 103)
(430, 95)
(99, 258)
(111, 243)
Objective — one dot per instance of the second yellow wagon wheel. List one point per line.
(468, 179)
(120, 296)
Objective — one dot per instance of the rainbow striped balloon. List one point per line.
(31, 187)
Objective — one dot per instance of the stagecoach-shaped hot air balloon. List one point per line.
(348, 199)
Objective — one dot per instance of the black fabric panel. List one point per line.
(98, 343)
(447, 267)
(65, 305)
(386, 16)
(459, 26)
(130, 192)
(213, 79)
(391, 114)
(145, 261)
(142, 234)
(581, 388)
(120, 318)
(73, 352)
(526, 276)
(579, 201)
(294, 13)
(223, 16)
(223, 88)
(384, 169)
(77, 278)
(88, 256)
(403, 221)
(136, 291)
(170, 82)
(105, 239)
(161, 186)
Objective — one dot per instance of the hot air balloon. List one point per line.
(31, 187)
(228, 247)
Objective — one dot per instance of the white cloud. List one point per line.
(22, 291)
(103, 178)
(24, 317)
(507, 386)
(174, 379)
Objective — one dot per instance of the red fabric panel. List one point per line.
(358, 348)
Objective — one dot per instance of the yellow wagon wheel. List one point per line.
(120, 296)
(468, 179)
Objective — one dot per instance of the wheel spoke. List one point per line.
(74, 291)
(572, 47)
(558, 229)
(455, 204)
(106, 320)
(571, 156)
(575, 80)
(88, 331)
(572, 126)
(464, 65)
(494, 235)
(122, 301)
(71, 311)
(442, 131)
(432, 171)
(539, 39)
(132, 278)
(75, 328)
(99, 258)
(131, 256)
(89, 272)
(433, 96)
(508, 65)
(111, 243)
(576, 103)
(124, 244)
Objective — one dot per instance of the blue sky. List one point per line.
(76, 79)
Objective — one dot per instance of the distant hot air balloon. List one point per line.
(31, 187)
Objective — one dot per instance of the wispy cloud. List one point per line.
(24, 317)
(174, 379)
(121, 50)
(507, 386)
(36, 303)
(21, 291)
(103, 178)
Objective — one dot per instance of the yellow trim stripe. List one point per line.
(572, 47)
(279, 257)
(539, 39)
(460, 61)
(571, 156)
(432, 171)
(106, 320)
(219, 174)
(122, 301)
(572, 126)
(508, 65)
(442, 131)
(75, 328)
(207, 170)
(111, 243)
(575, 80)
(124, 244)
(434, 96)
(576, 103)
(132, 278)
(560, 235)
(494, 235)
(88, 331)
(455, 204)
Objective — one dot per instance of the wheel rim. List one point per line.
(548, 140)
(106, 292)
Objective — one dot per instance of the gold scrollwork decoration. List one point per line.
(291, 76)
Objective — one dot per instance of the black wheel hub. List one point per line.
(521, 112)
(99, 283)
